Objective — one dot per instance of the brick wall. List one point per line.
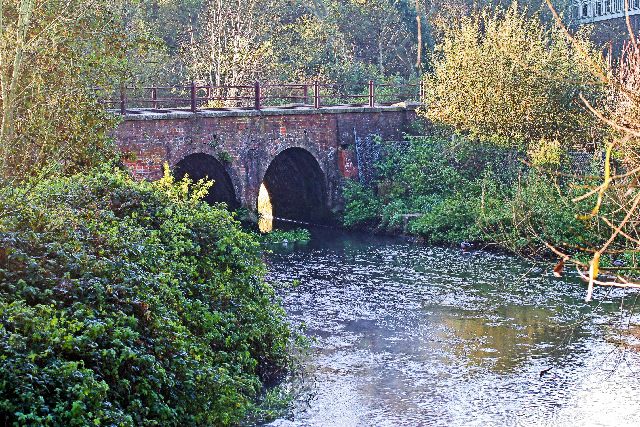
(252, 139)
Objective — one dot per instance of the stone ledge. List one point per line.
(142, 114)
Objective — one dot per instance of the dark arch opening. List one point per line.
(296, 186)
(199, 166)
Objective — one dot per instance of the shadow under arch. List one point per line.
(296, 186)
(199, 166)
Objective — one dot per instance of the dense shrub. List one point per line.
(466, 191)
(428, 176)
(362, 207)
(125, 303)
(297, 235)
(535, 210)
(417, 167)
(435, 178)
(452, 220)
(504, 77)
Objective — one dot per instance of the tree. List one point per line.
(51, 53)
(503, 77)
(232, 47)
(348, 40)
(610, 260)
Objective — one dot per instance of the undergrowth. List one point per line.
(125, 303)
(448, 192)
(298, 235)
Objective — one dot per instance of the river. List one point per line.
(406, 334)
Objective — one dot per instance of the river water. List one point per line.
(405, 334)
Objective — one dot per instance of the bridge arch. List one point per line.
(296, 185)
(201, 165)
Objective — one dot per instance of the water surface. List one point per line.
(408, 334)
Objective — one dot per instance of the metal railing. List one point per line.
(195, 97)
(586, 11)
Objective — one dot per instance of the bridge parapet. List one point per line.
(196, 97)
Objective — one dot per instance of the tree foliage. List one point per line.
(612, 209)
(231, 45)
(52, 52)
(503, 77)
(235, 42)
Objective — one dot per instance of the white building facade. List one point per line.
(586, 11)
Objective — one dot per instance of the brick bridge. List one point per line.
(300, 154)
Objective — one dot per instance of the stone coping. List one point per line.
(149, 114)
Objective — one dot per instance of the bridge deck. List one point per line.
(177, 113)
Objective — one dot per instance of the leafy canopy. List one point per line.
(502, 77)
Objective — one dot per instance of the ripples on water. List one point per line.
(409, 335)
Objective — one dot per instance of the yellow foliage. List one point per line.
(502, 77)
(185, 189)
(543, 152)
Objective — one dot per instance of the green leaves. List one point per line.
(53, 53)
(362, 207)
(130, 303)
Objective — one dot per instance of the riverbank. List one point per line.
(445, 191)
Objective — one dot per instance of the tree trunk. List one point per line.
(419, 58)
(10, 93)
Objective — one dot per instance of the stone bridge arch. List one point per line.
(252, 139)
(199, 165)
(296, 182)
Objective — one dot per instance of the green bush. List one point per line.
(392, 212)
(127, 303)
(424, 175)
(534, 211)
(503, 77)
(420, 166)
(452, 220)
(298, 235)
(362, 207)
(469, 191)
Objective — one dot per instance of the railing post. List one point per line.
(194, 104)
(123, 98)
(154, 97)
(258, 95)
(422, 92)
(372, 94)
(209, 94)
(305, 89)
(316, 94)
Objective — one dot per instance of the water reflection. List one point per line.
(416, 335)
(502, 341)
(265, 210)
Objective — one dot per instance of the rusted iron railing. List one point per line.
(195, 97)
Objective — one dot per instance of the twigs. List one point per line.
(622, 233)
(611, 123)
(628, 22)
(617, 201)
(622, 283)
